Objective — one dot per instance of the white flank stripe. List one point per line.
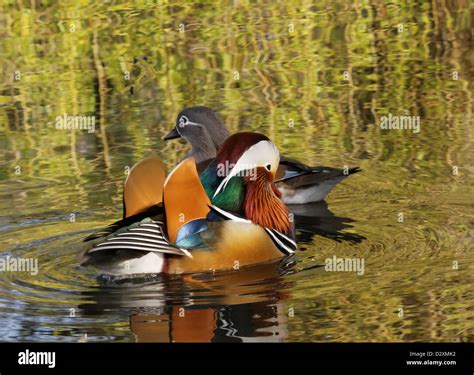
(279, 242)
(156, 236)
(138, 243)
(230, 216)
(136, 238)
(143, 229)
(286, 238)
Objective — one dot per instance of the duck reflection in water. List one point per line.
(316, 219)
(250, 322)
(242, 305)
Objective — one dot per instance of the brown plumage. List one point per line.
(263, 205)
(144, 186)
(183, 182)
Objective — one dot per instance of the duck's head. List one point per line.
(202, 128)
(246, 163)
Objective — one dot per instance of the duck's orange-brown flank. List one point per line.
(230, 245)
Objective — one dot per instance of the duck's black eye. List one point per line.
(268, 167)
(183, 120)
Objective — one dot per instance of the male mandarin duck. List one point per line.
(297, 182)
(229, 216)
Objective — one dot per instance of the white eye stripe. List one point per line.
(183, 121)
(258, 155)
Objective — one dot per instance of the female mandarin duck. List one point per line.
(230, 215)
(297, 183)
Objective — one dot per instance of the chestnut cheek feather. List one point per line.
(275, 190)
(263, 205)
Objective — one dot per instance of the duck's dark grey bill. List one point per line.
(173, 134)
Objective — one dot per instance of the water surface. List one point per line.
(317, 78)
